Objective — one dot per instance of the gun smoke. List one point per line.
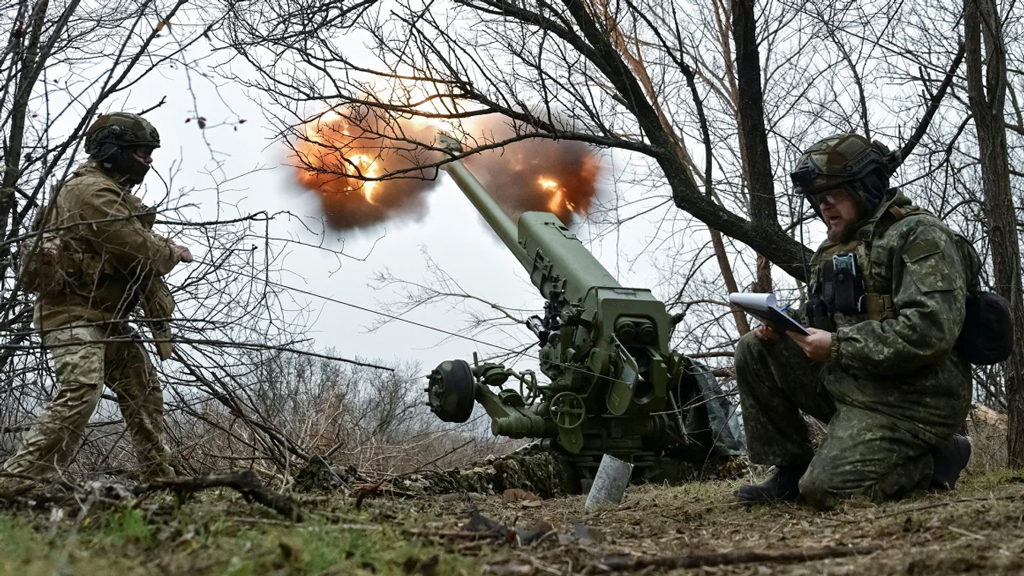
(367, 168)
(342, 153)
(558, 176)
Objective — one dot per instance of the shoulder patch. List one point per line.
(921, 248)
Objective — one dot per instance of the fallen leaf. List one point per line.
(519, 495)
(534, 532)
(480, 523)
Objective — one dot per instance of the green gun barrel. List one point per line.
(540, 242)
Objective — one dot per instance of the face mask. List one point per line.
(128, 167)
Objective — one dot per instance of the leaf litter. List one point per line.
(695, 528)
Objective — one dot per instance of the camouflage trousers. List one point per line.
(864, 453)
(86, 358)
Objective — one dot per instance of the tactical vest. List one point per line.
(851, 286)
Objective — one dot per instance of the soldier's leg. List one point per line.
(131, 375)
(78, 355)
(776, 382)
(865, 454)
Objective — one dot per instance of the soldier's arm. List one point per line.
(113, 230)
(930, 298)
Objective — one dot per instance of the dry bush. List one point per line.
(372, 420)
(987, 429)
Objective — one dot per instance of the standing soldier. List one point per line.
(881, 365)
(95, 261)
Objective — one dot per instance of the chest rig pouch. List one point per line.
(842, 284)
(839, 289)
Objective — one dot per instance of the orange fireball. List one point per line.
(367, 168)
(362, 166)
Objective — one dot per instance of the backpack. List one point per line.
(986, 336)
(41, 256)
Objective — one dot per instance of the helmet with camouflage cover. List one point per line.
(848, 161)
(120, 130)
(113, 139)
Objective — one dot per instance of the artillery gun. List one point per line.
(615, 386)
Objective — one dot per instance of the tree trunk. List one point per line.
(27, 76)
(753, 135)
(986, 81)
(762, 232)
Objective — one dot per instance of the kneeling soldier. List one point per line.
(881, 366)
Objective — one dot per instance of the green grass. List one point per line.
(129, 526)
(217, 534)
(210, 538)
(992, 479)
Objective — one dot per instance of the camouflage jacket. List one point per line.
(898, 356)
(111, 255)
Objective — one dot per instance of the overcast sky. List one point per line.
(451, 232)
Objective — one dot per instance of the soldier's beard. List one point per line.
(841, 231)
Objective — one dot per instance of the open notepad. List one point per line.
(764, 307)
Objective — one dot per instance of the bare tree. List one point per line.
(62, 65)
(987, 85)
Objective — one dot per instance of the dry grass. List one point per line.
(987, 429)
(977, 530)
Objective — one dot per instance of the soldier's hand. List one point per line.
(817, 346)
(183, 253)
(767, 333)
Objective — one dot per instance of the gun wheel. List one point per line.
(450, 391)
(568, 410)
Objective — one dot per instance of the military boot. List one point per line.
(783, 486)
(951, 457)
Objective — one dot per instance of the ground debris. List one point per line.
(512, 567)
(244, 482)
(49, 492)
(693, 528)
(627, 562)
(587, 535)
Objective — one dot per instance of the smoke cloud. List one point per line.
(343, 146)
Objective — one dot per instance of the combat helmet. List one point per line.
(117, 130)
(848, 161)
(113, 140)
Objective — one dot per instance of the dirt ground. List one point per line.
(975, 530)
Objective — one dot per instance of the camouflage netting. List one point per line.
(537, 472)
(318, 474)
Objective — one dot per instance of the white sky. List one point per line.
(452, 232)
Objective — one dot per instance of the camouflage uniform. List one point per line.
(894, 385)
(112, 262)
